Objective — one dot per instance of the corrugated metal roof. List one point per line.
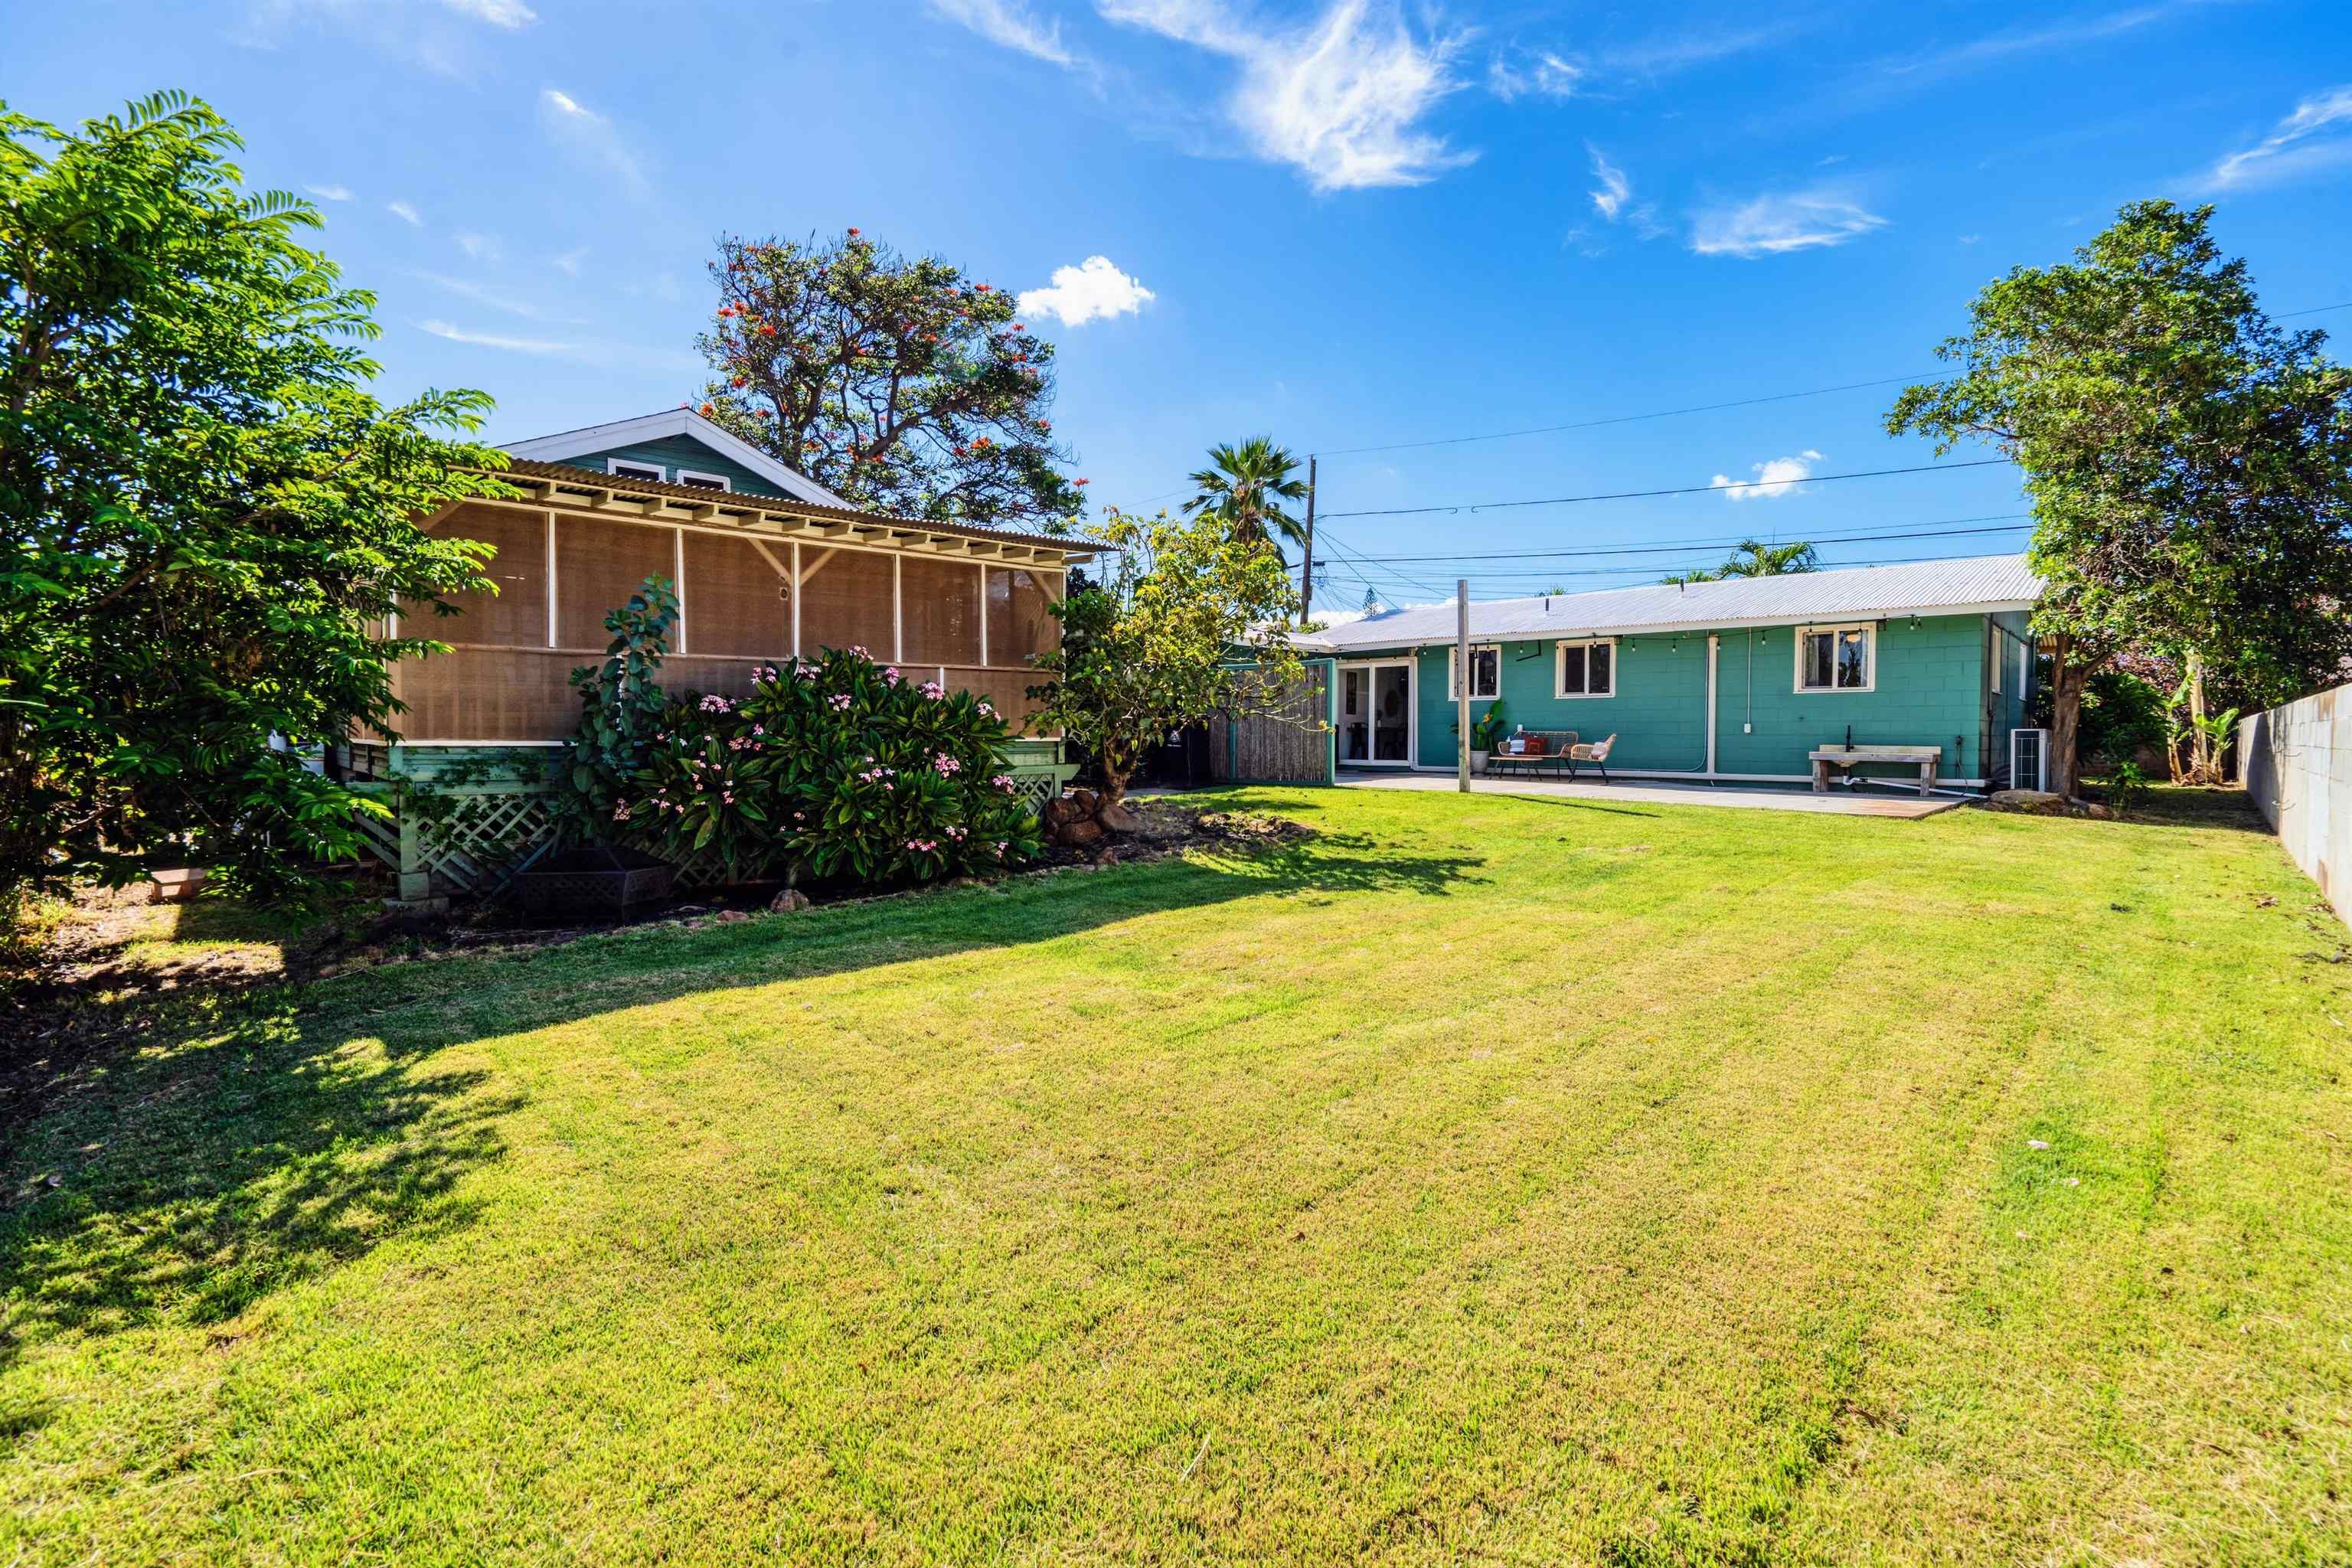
(1972, 584)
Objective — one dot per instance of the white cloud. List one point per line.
(330, 192)
(2316, 136)
(1772, 478)
(1517, 73)
(1094, 290)
(480, 246)
(1009, 23)
(497, 300)
(593, 137)
(1341, 99)
(508, 13)
(1615, 188)
(1970, 239)
(405, 213)
(1775, 225)
(569, 262)
(457, 334)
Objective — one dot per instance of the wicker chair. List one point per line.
(1597, 754)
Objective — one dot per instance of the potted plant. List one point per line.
(1484, 731)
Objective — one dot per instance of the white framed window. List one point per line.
(621, 468)
(1837, 658)
(2024, 667)
(1994, 633)
(701, 481)
(1585, 668)
(1486, 672)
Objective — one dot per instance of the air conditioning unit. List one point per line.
(2028, 759)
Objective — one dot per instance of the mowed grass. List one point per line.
(1486, 1180)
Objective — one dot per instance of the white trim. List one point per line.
(1411, 761)
(1869, 629)
(1993, 634)
(1560, 691)
(796, 599)
(899, 607)
(719, 482)
(677, 564)
(2024, 669)
(556, 448)
(553, 640)
(803, 528)
(1454, 680)
(981, 567)
(2042, 770)
(630, 468)
(1711, 650)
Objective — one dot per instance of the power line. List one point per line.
(1627, 419)
(2005, 520)
(1696, 407)
(1684, 490)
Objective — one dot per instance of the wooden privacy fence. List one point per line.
(1292, 743)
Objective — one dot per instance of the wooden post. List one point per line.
(1307, 566)
(1462, 684)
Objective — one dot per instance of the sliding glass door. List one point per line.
(1376, 714)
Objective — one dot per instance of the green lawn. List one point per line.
(1486, 1180)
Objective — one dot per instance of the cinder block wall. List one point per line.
(2296, 761)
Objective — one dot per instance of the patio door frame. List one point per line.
(1371, 667)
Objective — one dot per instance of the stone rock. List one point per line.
(2099, 812)
(1080, 833)
(790, 900)
(2039, 803)
(730, 916)
(1085, 800)
(1058, 814)
(1106, 861)
(1118, 815)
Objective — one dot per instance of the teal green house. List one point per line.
(1734, 680)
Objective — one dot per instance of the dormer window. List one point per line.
(623, 470)
(698, 481)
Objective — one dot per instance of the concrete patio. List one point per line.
(1839, 801)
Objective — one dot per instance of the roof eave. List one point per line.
(1719, 623)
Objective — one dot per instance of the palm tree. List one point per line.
(1754, 558)
(1243, 488)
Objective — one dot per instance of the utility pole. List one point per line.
(1307, 567)
(1462, 684)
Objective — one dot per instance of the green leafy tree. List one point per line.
(1244, 489)
(1188, 622)
(1754, 558)
(2190, 464)
(896, 382)
(205, 521)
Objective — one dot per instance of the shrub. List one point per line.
(838, 767)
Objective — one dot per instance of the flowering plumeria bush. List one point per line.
(838, 768)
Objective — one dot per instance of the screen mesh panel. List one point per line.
(489, 694)
(735, 598)
(1007, 691)
(846, 601)
(598, 565)
(1018, 626)
(692, 672)
(516, 615)
(941, 611)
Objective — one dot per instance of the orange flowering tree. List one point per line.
(895, 381)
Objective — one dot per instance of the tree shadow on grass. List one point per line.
(188, 1156)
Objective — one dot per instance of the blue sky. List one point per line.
(1345, 225)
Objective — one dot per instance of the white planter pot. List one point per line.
(1478, 763)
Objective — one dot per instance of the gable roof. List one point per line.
(685, 422)
(564, 485)
(1978, 585)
